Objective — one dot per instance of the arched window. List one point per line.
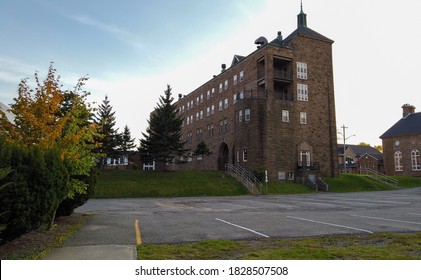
(415, 160)
(398, 161)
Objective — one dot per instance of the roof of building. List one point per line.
(9, 115)
(303, 30)
(358, 149)
(408, 125)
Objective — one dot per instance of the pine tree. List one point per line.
(127, 142)
(162, 140)
(109, 137)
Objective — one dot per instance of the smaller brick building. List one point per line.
(402, 144)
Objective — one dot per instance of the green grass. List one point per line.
(136, 184)
(379, 246)
(360, 183)
(286, 188)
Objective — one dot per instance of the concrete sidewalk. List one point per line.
(93, 252)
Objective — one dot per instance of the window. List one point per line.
(245, 155)
(285, 116)
(189, 136)
(201, 98)
(415, 160)
(226, 103)
(304, 158)
(303, 117)
(208, 111)
(213, 92)
(210, 130)
(234, 99)
(234, 80)
(199, 134)
(188, 106)
(237, 155)
(240, 115)
(241, 76)
(225, 125)
(191, 104)
(246, 115)
(197, 116)
(201, 114)
(197, 100)
(191, 119)
(220, 88)
(398, 161)
(302, 70)
(226, 85)
(302, 92)
(213, 109)
(221, 127)
(220, 105)
(208, 94)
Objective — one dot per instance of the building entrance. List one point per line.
(223, 155)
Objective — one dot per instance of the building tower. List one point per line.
(273, 109)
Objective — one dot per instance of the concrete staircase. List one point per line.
(245, 177)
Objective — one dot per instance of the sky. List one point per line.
(131, 50)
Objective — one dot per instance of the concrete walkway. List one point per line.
(93, 252)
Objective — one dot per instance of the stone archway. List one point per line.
(223, 156)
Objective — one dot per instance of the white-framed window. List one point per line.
(234, 80)
(197, 100)
(415, 160)
(302, 70)
(220, 88)
(245, 155)
(191, 104)
(191, 119)
(213, 92)
(220, 105)
(188, 105)
(226, 103)
(241, 95)
(212, 109)
(247, 114)
(188, 120)
(302, 92)
(197, 116)
(225, 125)
(241, 76)
(398, 161)
(208, 94)
(201, 114)
(201, 98)
(234, 99)
(305, 158)
(285, 116)
(303, 117)
(240, 115)
(226, 85)
(208, 111)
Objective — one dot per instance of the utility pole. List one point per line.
(343, 133)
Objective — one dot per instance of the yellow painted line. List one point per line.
(138, 236)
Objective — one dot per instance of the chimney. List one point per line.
(223, 66)
(407, 109)
(180, 96)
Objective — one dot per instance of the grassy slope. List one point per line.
(134, 183)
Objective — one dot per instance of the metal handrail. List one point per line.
(245, 174)
(380, 177)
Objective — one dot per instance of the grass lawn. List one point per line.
(136, 184)
(359, 183)
(379, 246)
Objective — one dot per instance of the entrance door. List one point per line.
(223, 156)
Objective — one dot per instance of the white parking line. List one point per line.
(256, 232)
(390, 220)
(329, 224)
(415, 214)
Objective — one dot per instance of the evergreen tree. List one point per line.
(127, 142)
(162, 140)
(109, 137)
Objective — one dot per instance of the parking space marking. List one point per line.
(238, 226)
(329, 224)
(415, 214)
(389, 220)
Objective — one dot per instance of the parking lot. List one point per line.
(174, 220)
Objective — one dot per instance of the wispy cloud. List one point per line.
(117, 32)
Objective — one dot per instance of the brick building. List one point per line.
(402, 144)
(273, 109)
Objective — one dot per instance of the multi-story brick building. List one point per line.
(402, 144)
(273, 109)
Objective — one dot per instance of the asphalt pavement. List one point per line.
(117, 226)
